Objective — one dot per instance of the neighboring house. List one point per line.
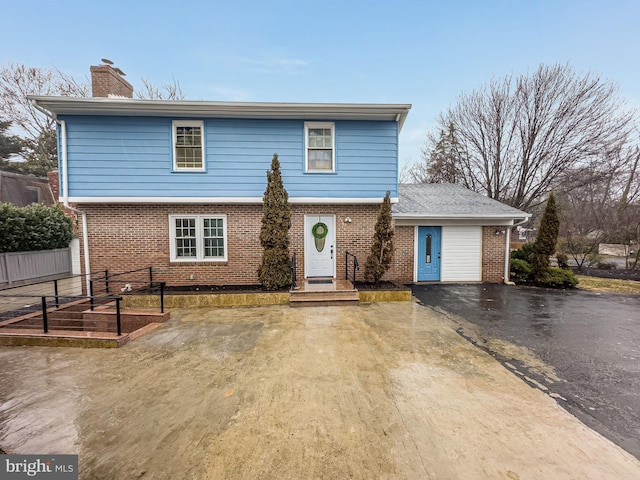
(178, 185)
(22, 190)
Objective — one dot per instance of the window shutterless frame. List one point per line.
(188, 145)
(198, 238)
(319, 147)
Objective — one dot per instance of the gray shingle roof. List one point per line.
(445, 200)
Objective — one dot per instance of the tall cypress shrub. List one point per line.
(275, 269)
(379, 260)
(545, 244)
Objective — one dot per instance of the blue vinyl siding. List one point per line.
(132, 157)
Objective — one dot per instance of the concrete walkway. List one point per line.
(379, 391)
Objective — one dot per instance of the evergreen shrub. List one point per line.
(32, 228)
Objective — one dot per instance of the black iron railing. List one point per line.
(64, 313)
(294, 269)
(98, 284)
(133, 281)
(355, 265)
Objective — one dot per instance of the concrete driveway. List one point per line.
(581, 347)
(384, 391)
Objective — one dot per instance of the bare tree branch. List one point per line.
(521, 134)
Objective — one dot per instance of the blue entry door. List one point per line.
(429, 241)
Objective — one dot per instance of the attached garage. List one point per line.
(461, 253)
(458, 235)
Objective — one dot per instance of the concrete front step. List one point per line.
(331, 292)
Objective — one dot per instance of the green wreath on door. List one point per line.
(319, 231)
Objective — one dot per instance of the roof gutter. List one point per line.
(65, 189)
(507, 250)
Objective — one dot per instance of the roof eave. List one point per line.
(304, 111)
(416, 216)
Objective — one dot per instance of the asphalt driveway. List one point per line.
(588, 343)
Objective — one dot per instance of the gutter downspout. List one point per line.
(65, 188)
(507, 252)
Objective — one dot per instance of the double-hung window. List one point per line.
(188, 146)
(198, 238)
(320, 147)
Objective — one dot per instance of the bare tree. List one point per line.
(168, 91)
(37, 131)
(520, 134)
(17, 81)
(599, 204)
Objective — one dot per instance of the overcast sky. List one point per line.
(421, 52)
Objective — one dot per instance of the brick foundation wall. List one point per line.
(493, 252)
(127, 237)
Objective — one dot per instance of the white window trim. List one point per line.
(307, 126)
(199, 238)
(187, 123)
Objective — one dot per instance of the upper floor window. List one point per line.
(188, 145)
(320, 147)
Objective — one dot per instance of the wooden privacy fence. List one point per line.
(19, 266)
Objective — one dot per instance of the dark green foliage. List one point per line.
(446, 159)
(523, 253)
(36, 227)
(545, 244)
(559, 278)
(520, 270)
(379, 260)
(9, 145)
(275, 269)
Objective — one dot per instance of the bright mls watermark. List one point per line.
(51, 467)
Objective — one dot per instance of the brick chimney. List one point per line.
(107, 81)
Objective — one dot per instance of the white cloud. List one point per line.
(228, 94)
(273, 65)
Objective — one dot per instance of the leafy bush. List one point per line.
(520, 270)
(36, 227)
(559, 278)
(523, 253)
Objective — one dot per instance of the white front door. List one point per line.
(319, 249)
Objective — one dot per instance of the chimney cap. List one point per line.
(106, 61)
(120, 72)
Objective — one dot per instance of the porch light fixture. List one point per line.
(499, 232)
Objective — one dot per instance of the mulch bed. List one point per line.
(373, 287)
(608, 273)
(186, 289)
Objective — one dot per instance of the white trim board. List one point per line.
(230, 200)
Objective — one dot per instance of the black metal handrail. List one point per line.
(99, 283)
(294, 269)
(356, 266)
(92, 301)
(110, 276)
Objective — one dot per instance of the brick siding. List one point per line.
(493, 252)
(127, 237)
